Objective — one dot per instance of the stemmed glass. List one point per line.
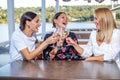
(58, 33)
(62, 34)
(66, 33)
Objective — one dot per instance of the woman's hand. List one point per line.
(60, 42)
(52, 39)
(70, 41)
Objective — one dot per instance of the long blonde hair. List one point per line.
(107, 24)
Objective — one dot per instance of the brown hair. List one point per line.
(27, 16)
(56, 16)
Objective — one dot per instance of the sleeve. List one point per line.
(88, 48)
(46, 36)
(47, 50)
(71, 51)
(113, 48)
(18, 42)
(73, 36)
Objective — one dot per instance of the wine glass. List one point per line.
(57, 33)
(65, 35)
(62, 34)
(60, 31)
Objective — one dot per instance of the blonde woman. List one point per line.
(104, 44)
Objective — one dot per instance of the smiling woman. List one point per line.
(61, 50)
(104, 43)
(24, 44)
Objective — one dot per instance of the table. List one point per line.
(63, 70)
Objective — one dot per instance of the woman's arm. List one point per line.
(30, 55)
(95, 58)
(75, 45)
(53, 53)
(84, 51)
(58, 45)
(40, 56)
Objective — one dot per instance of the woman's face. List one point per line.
(61, 21)
(96, 22)
(35, 24)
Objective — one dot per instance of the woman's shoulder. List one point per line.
(71, 33)
(17, 36)
(93, 33)
(16, 33)
(48, 35)
(116, 31)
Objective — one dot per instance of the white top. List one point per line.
(109, 50)
(18, 42)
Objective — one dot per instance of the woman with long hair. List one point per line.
(104, 43)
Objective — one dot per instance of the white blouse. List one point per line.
(109, 50)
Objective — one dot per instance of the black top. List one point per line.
(66, 52)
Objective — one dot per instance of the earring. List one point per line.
(29, 27)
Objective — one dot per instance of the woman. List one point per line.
(24, 41)
(60, 50)
(104, 44)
